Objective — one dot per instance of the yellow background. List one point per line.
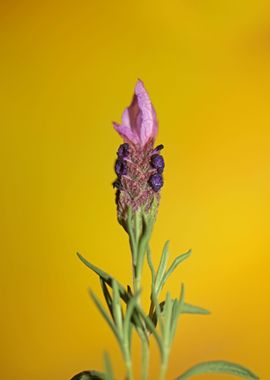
(67, 69)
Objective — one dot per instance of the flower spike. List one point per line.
(139, 166)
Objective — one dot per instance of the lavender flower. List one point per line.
(139, 166)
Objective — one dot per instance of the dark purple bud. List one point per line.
(157, 162)
(156, 182)
(120, 167)
(123, 150)
(157, 149)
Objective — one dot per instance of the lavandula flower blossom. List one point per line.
(139, 165)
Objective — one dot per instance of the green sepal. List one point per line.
(222, 367)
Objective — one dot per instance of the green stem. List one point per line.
(137, 269)
(164, 363)
(145, 356)
(128, 362)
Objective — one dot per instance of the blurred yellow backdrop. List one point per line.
(67, 69)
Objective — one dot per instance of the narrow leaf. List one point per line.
(131, 235)
(107, 295)
(147, 226)
(127, 320)
(158, 310)
(162, 264)
(151, 266)
(108, 367)
(152, 329)
(154, 312)
(105, 276)
(222, 367)
(135, 318)
(178, 260)
(181, 301)
(182, 296)
(105, 315)
(116, 306)
(191, 309)
(174, 319)
(156, 317)
(167, 312)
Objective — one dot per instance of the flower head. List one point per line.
(139, 166)
(139, 123)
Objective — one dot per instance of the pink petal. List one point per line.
(139, 122)
(148, 122)
(127, 133)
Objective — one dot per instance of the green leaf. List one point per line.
(175, 315)
(116, 306)
(147, 226)
(108, 367)
(107, 295)
(127, 320)
(152, 329)
(167, 313)
(132, 239)
(158, 310)
(154, 312)
(191, 309)
(162, 265)
(221, 367)
(105, 315)
(135, 317)
(105, 276)
(151, 266)
(178, 260)
(182, 297)
(89, 375)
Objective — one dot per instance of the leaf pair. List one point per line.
(159, 279)
(162, 274)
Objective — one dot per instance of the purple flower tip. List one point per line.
(157, 162)
(120, 167)
(139, 123)
(123, 150)
(156, 182)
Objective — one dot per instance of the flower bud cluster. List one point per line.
(139, 178)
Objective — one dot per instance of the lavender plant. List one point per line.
(139, 178)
